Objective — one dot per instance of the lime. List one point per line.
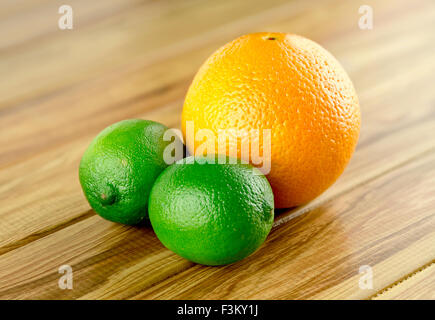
(119, 168)
(211, 213)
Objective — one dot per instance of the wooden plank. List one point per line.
(47, 192)
(61, 121)
(61, 202)
(114, 261)
(22, 22)
(386, 272)
(43, 208)
(418, 286)
(48, 211)
(78, 198)
(99, 253)
(131, 83)
(147, 33)
(314, 254)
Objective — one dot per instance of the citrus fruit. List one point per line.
(211, 213)
(119, 167)
(295, 88)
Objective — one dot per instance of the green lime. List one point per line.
(211, 213)
(119, 168)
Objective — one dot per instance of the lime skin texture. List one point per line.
(210, 213)
(119, 167)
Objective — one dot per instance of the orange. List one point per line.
(292, 86)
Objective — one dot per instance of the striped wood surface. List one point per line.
(131, 58)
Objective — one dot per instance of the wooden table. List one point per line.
(135, 59)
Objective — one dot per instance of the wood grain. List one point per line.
(418, 286)
(147, 32)
(102, 254)
(313, 255)
(136, 59)
(113, 93)
(68, 124)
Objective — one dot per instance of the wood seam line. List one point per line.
(167, 52)
(401, 280)
(45, 232)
